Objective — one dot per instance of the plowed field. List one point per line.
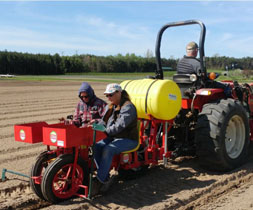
(180, 185)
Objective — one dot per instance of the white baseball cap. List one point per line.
(111, 88)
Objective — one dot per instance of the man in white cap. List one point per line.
(189, 64)
(120, 121)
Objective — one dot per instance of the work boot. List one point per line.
(106, 186)
(96, 186)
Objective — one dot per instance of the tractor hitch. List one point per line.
(4, 171)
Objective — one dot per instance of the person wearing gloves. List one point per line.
(120, 121)
(89, 107)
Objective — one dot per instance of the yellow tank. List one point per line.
(159, 98)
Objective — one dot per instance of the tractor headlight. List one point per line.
(205, 93)
(193, 77)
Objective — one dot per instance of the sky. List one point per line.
(113, 27)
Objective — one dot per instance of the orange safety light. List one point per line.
(212, 76)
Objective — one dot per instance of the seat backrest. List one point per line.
(184, 83)
(182, 79)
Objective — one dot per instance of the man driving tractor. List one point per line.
(189, 64)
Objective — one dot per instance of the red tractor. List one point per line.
(208, 124)
(216, 126)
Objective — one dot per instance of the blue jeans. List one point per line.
(105, 150)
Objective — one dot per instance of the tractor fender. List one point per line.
(203, 96)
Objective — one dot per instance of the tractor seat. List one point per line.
(184, 79)
(139, 141)
(185, 82)
(133, 150)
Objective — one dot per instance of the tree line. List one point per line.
(46, 64)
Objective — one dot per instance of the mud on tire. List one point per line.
(222, 135)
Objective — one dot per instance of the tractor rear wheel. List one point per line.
(57, 184)
(222, 135)
(38, 168)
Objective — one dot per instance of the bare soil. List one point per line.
(182, 184)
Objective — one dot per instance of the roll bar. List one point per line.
(159, 71)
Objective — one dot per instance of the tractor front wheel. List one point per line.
(222, 135)
(58, 182)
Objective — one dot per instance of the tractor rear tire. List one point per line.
(38, 168)
(57, 182)
(222, 135)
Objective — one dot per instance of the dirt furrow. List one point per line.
(221, 188)
(14, 158)
(180, 185)
(34, 103)
(34, 115)
(16, 196)
(23, 147)
(35, 108)
(151, 192)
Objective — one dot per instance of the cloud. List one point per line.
(226, 37)
(217, 21)
(27, 40)
(241, 45)
(230, 44)
(110, 28)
